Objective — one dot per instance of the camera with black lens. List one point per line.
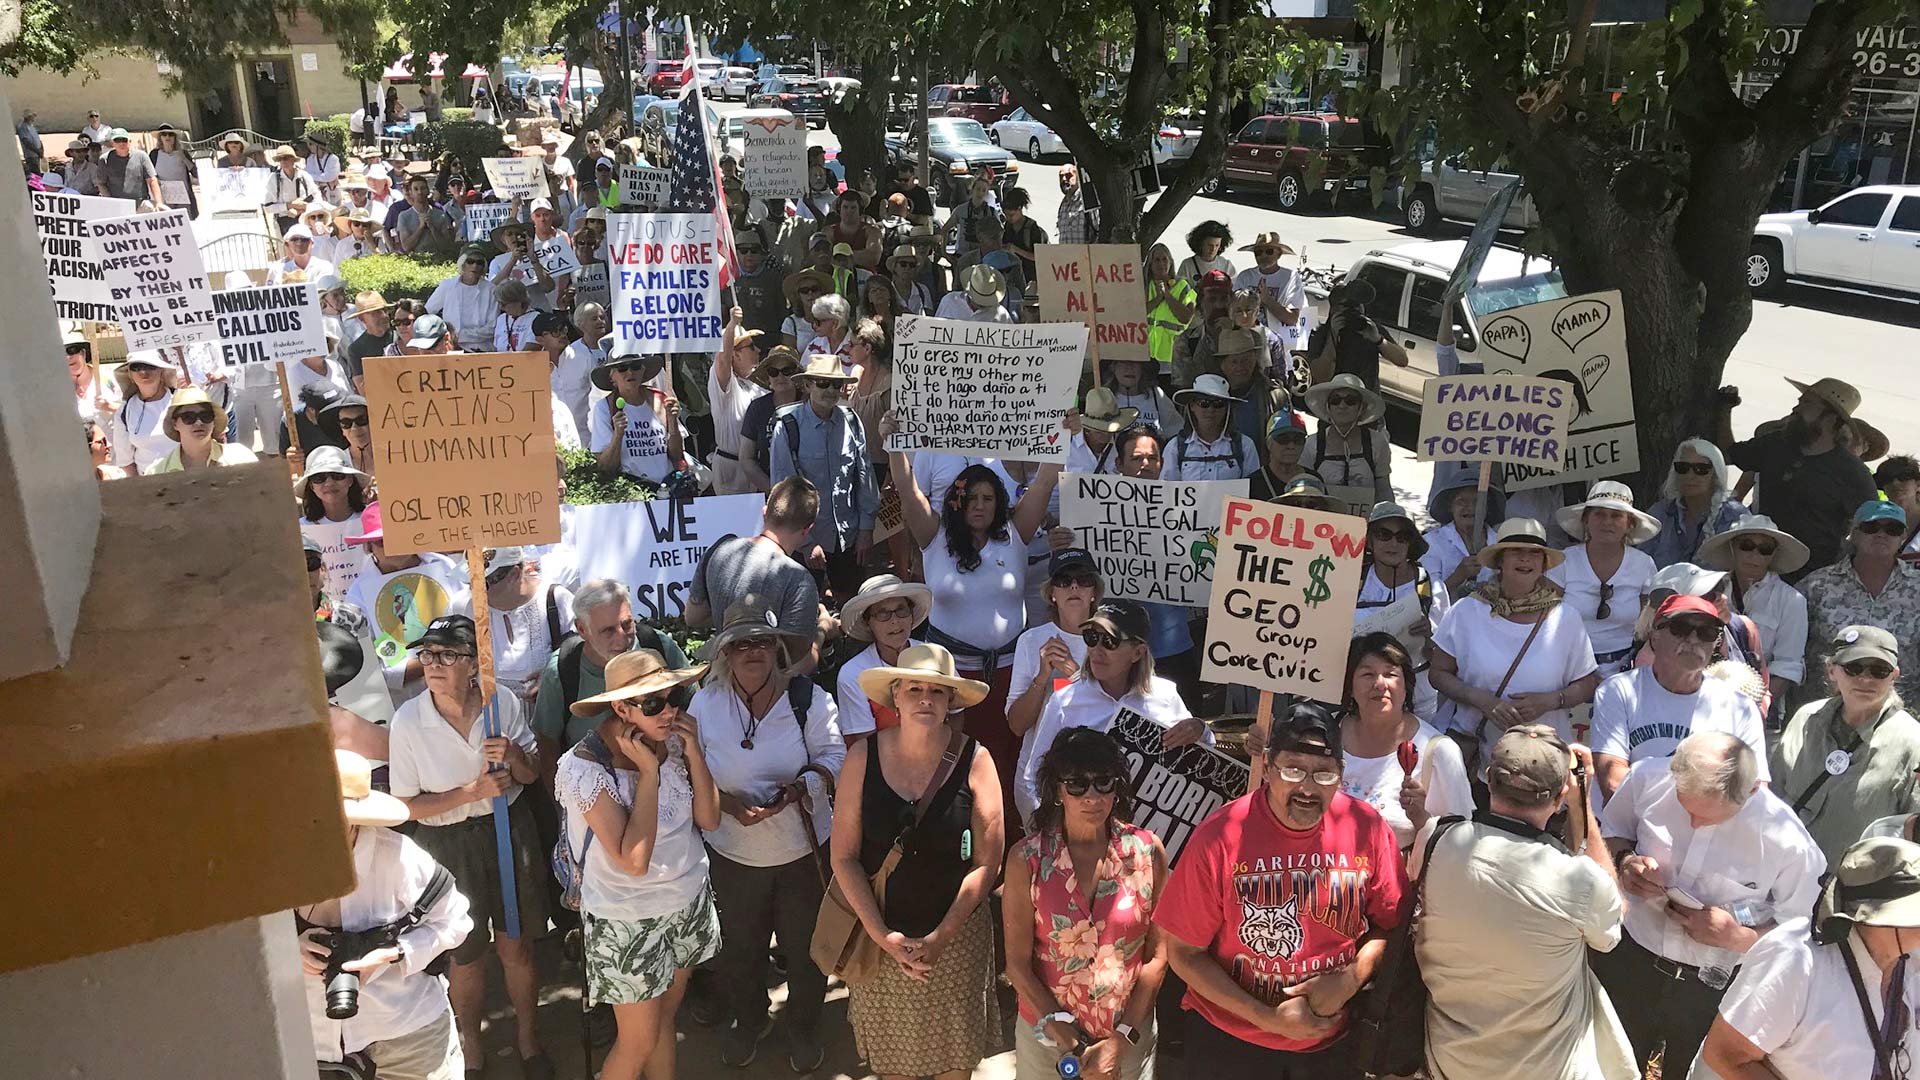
(346, 946)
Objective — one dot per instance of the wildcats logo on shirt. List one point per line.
(1300, 915)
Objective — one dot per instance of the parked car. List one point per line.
(1867, 240)
(957, 147)
(801, 97)
(666, 77)
(1177, 138)
(769, 72)
(983, 103)
(1453, 191)
(657, 125)
(1021, 130)
(708, 71)
(1301, 156)
(736, 84)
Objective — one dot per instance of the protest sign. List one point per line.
(1466, 272)
(269, 324)
(993, 389)
(655, 546)
(591, 285)
(776, 165)
(1398, 618)
(482, 218)
(64, 223)
(1506, 418)
(159, 287)
(1580, 342)
(644, 187)
(1102, 286)
(1284, 588)
(888, 517)
(233, 242)
(666, 283)
(463, 446)
(225, 190)
(1153, 538)
(1174, 790)
(515, 176)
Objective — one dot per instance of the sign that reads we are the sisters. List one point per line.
(666, 283)
(1174, 790)
(1283, 596)
(993, 389)
(1102, 286)
(269, 324)
(1495, 418)
(1154, 538)
(464, 448)
(654, 546)
(1581, 343)
(160, 293)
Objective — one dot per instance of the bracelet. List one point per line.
(1563, 697)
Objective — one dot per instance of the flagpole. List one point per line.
(626, 65)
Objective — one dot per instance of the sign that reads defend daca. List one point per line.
(1495, 418)
(1283, 597)
(463, 445)
(993, 389)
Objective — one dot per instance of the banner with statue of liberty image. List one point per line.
(1154, 539)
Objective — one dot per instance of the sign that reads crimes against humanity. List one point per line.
(993, 389)
(1283, 595)
(463, 445)
(1154, 539)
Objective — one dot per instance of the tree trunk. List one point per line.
(860, 122)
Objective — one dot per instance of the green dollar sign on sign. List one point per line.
(1318, 589)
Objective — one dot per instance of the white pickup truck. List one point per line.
(1867, 240)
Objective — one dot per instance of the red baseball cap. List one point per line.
(1216, 279)
(1689, 605)
(370, 528)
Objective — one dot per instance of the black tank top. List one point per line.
(923, 886)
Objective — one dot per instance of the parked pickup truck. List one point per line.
(1453, 191)
(1867, 240)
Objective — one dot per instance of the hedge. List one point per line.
(333, 129)
(396, 277)
(588, 486)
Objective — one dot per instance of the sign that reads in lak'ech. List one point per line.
(1495, 418)
(463, 445)
(65, 225)
(1174, 790)
(1581, 343)
(1283, 597)
(160, 292)
(1154, 539)
(666, 283)
(1101, 285)
(269, 324)
(993, 389)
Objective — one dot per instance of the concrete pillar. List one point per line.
(222, 1002)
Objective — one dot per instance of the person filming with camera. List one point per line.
(373, 957)
(1351, 342)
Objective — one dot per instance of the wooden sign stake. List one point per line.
(1262, 723)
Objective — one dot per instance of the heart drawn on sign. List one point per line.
(1053, 438)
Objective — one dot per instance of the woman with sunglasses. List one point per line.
(466, 300)
(1350, 451)
(1604, 574)
(1755, 553)
(885, 612)
(1696, 504)
(402, 315)
(448, 770)
(635, 428)
(1117, 675)
(1392, 577)
(804, 289)
(1053, 651)
(346, 423)
(1084, 880)
(904, 268)
(637, 793)
(136, 430)
(778, 374)
(173, 167)
(332, 496)
(773, 741)
(1378, 721)
(1869, 586)
(97, 398)
(199, 426)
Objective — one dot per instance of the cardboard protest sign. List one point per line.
(1506, 418)
(666, 283)
(993, 389)
(1284, 588)
(1101, 285)
(655, 546)
(776, 165)
(226, 190)
(1397, 618)
(1174, 790)
(888, 517)
(644, 187)
(269, 324)
(482, 218)
(515, 176)
(1153, 538)
(463, 446)
(1485, 231)
(592, 285)
(159, 287)
(64, 223)
(1580, 342)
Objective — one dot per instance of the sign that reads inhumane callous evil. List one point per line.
(1284, 586)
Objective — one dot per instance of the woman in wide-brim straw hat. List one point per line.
(199, 425)
(1756, 553)
(1605, 572)
(883, 613)
(1510, 652)
(1351, 449)
(1392, 573)
(933, 925)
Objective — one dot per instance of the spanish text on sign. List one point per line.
(995, 389)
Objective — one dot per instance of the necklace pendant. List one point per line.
(746, 744)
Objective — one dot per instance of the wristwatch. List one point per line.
(1128, 1032)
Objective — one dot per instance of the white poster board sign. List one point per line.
(644, 187)
(64, 224)
(269, 324)
(776, 165)
(159, 287)
(227, 190)
(666, 283)
(653, 547)
(1580, 341)
(1154, 539)
(515, 176)
(484, 217)
(992, 389)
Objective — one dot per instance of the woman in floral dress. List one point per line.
(1078, 909)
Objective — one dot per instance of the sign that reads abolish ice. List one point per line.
(654, 546)
(1101, 285)
(666, 283)
(159, 288)
(1283, 597)
(1581, 343)
(644, 187)
(515, 176)
(1154, 539)
(464, 449)
(776, 164)
(993, 389)
(269, 324)
(1495, 418)
(65, 225)
(1174, 790)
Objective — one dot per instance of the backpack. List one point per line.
(1318, 444)
(567, 867)
(1180, 457)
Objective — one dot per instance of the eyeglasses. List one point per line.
(298, 240)
(474, 262)
(193, 416)
(353, 422)
(1882, 527)
(1078, 786)
(1697, 468)
(442, 658)
(1100, 639)
(890, 613)
(631, 368)
(1868, 669)
(314, 562)
(1209, 403)
(502, 574)
(1294, 774)
(1382, 536)
(329, 478)
(782, 372)
(1605, 610)
(76, 350)
(1698, 629)
(1340, 400)
(1756, 547)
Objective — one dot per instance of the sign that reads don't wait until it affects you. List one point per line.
(159, 285)
(993, 389)
(463, 445)
(1283, 595)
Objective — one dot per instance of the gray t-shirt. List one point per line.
(737, 566)
(127, 177)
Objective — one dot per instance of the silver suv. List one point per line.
(1450, 190)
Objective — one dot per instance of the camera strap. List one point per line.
(438, 886)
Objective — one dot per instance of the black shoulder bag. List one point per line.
(1390, 1015)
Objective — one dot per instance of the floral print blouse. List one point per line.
(1089, 958)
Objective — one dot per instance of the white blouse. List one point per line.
(426, 755)
(1085, 704)
(1615, 632)
(1780, 611)
(677, 870)
(1484, 646)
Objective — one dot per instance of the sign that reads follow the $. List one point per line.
(463, 445)
(1581, 343)
(993, 389)
(1283, 596)
(1153, 538)
(1495, 418)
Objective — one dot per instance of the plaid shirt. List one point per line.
(1072, 224)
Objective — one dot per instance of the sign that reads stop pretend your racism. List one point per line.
(993, 389)
(666, 283)
(1283, 594)
(1495, 418)
(463, 446)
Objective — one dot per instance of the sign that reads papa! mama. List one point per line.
(993, 389)
(1495, 418)
(666, 283)
(1284, 588)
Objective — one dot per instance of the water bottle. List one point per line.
(1718, 972)
(1069, 1064)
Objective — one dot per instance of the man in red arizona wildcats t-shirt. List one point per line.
(1277, 912)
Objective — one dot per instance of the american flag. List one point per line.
(695, 183)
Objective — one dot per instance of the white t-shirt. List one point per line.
(137, 437)
(1291, 290)
(1484, 646)
(985, 607)
(1084, 703)
(643, 449)
(469, 309)
(1026, 665)
(425, 754)
(677, 870)
(1445, 549)
(513, 333)
(522, 640)
(780, 750)
(1375, 595)
(573, 380)
(856, 709)
(1576, 576)
(1636, 719)
(955, 305)
(315, 269)
(344, 561)
(1376, 781)
(730, 406)
(300, 376)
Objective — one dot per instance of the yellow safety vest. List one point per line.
(1163, 327)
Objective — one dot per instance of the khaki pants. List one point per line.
(429, 1053)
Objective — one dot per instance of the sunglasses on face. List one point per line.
(752, 644)
(143, 369)
(193, 416)
(678, 697)
(1339, 400)
(299, 240)
(442, 658)
(630, 369)
(352, 422)
(76, 350)
(314, 562)
(502, 574)
(1756, 546)
(474, 262)
(1100, 639)
(1868, 669)
(1382, 536)
(1881, 528)
(1209, 404)
(1078, 786)
(330, 478)
(782, 372)
(1080, 580)
(1697, 629)
(1294, 774)
(1695, 468)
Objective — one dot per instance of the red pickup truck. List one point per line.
(983, 103)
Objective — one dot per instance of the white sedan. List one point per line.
(736, 83)
(1022, 132)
